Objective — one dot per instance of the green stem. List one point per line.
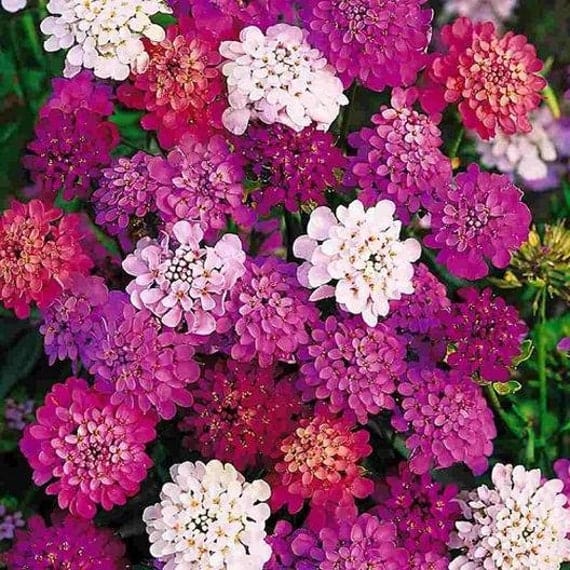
(347, 115)
(32, 36)
(495, 402)
(530, 455)
(541, 364)
(457, 143)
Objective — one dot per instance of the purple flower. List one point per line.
(400, 157)
(486, 334)
(476, 219)
(352, 366)
(294, 549)
(562, 470)
(379, 42)
(9, 522)
(564, 345)
(290, 168)
(18, 414)
(446, 419)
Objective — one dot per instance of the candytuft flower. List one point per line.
(496, 11)
(294, 549)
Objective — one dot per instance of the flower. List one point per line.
(104, 35)
(361, 251)
(446, 419)
(476, 219)
(178, 279)
(201, 183)
(294, 549)
(10, 520)
(496, 11)
(379, 42)
(486, 335)
(69, 543)
(13, 5)
(209, 517)
(18, 414)
(240, 412)
(521, 522)
(277, 77)
(319, 462)
(400, 157)
(564, 345)
(68, 322)
(125, 191)
(69, 150)
(40, 249)
(269, 313)
(423, 512)
(179, 85)
(363, 543)
(91, 451)
(562, 469)
(137, 363)
(289, 168)
(495, 80)
(353, 367)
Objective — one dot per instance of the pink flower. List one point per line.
(91, 451)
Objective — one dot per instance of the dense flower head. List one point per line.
(209, 517)
(10, 520)
(493, 79)
(379, 42)
(562, 469)
(69, 320)
(18, 414)
(69, 150)
(360, 250)
(446, 419)
(485, 333)
(423, 511)
(269, 313)
(319, 462)
(125, 191)
(496, 11)
(137, 362)
(294, 549)
(40, 249)
(70, 542)
(477, 219)
(363, 543)
(289, 168)
(521, 522)
(91, 452)
(277, 77)
(399, 158)
(240, 411)
(353, 367)
(179, 84)
(104, 35)
(178, 279)
(201, 182)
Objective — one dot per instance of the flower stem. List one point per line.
(495, 402)
(32, 36)
(347, 115)
(541, 365)
(457, 143)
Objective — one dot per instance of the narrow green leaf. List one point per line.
(19, 361)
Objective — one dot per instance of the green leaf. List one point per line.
(19, 361)
(506, 388)
(527, 348)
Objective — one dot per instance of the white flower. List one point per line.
(496, 11)
(521, 523)
(103, 35)
(279, 78)
(13, 5)
(209, 518)
(362, 252)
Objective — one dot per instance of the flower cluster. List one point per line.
(9, 521)
(294, 549)
(496, 11)
(18, 414)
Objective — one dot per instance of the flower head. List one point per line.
(178, 279)
(478, 218)
(69, 543)
(495, 80)
(562, 469)
(496, 11)
(361, 250)
(277, 77)
(520, 523)
(209, 517)
(10, 520)
(91, 451)
(446, 419)
(18, 414)
(40, 249)
(379, 42)
(400, 157)
(240, 412)
(294, 549)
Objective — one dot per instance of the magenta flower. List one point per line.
(486, 335)
(562, 469)
(379, 42)
(477, 219)
(91, 452)
(446, 419)
(289, 168)
(353, 367)
(179, 280)
(240, 412)
(400, 157)
(564, 345)
(201, 183)
(70, 542)
(294, 549)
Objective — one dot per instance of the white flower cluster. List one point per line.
(362, 252)
(521, 524)
(209, 518)
(279, 78)
(103, 35)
